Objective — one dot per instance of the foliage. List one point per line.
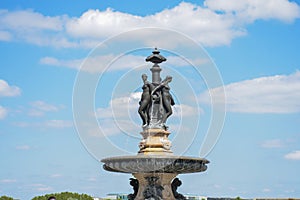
(6, 198)
(65, 196)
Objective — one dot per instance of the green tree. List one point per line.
(6, 198)
(65, 196)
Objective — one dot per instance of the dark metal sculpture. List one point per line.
(153, 190)
(156, 100)
(135, 184)
(175, 184)
(145, 100)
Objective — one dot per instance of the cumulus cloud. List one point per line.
(275, 143)
(42, 188)
(5, 36)
(3, 112)
(7, 90)
(97, 63)
(266, 190)
(205, 24)
(28, 19)
(8, 180)
(271, 94)
(56, 176)
(39, 108)
(250, 10)
(119, 107)
(35, 28)
(295, 155)
(23, 147)
(55, 123)
(58, 123)
(113, 62)
(183, 110)
(43, 106)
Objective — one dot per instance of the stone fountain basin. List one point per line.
(155, 164)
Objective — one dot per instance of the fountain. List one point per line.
(155, 167)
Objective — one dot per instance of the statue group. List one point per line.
(155, 104)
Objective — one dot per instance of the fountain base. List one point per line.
(155, 174)
(155, 167)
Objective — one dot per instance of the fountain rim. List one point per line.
(154, 156)
(155, 164)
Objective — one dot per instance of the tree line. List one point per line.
(58, 196)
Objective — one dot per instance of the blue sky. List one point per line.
(62, 110)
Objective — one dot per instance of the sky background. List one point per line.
(65, 102)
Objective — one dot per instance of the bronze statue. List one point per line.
(145, 100)
(156, 100)
(166, 99)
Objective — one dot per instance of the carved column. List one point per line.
(163, 179)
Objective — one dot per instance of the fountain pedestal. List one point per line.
(161, 182)
(155, 142)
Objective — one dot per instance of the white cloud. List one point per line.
(39, 108)
(275, 143)
(61, 63)
(28, 19)
(8, 91)
(23, 147)
(33, 27)
(8, 180)
(120, 107)
(43, 106)
(97, 63)
(120, 116)
(295, 155)
(250, 10)
(46, 124)
(44, 188)
(92, 179)
(58, 123)
(205, 24)
(5, 36)
(183, 110)
(266, 190)
(214, 29)
(3, 112)
(271, 94)
(56, 176)
(113, 62)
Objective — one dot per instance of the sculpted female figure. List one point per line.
(166, 98)
(145, 100)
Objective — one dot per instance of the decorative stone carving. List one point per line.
(175, 184)
(135, 184)
(153, 190)
(155, 141)
(155, 164)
